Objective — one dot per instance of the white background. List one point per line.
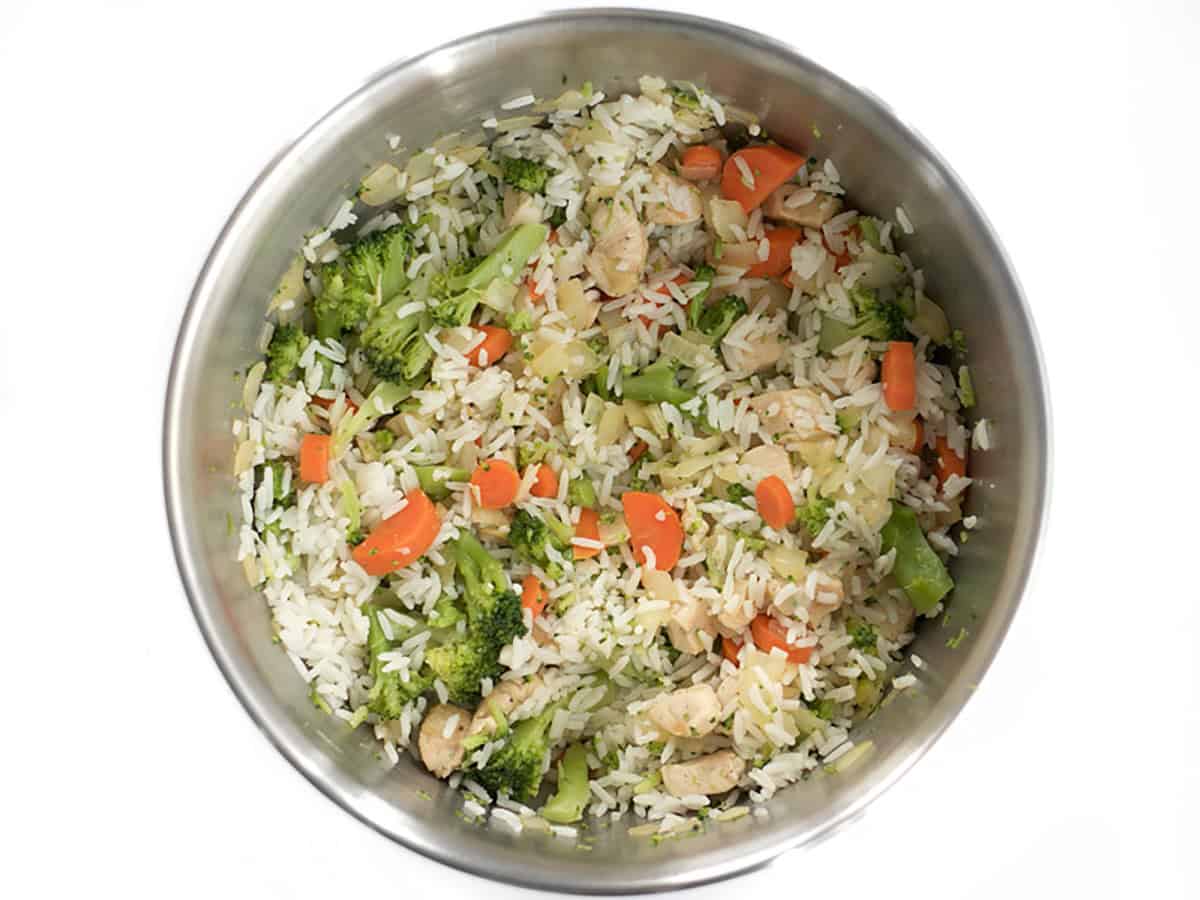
(130, 130)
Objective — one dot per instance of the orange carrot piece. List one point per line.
(497, 482)
(730, 649)
(533, 595)
(779, 256)
(545, 482)
(496, 341)
(948, 462)
(638, 450)
(775, 503)
(900, 376)
(588, 527)
(326, 403)
(918, 436)
(700, 163)
(654, 524)
(314, 458)
(770, 166)
(534, 294)
(768, 633)
(401, 538)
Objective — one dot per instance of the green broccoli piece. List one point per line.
(863, 635)
(737, 493)
(966, 388)
(384, 440)
(558, 216)
(380, 402)
(814, 514)
(494, 618)
(717, 319)
(531, 536)
(395, 347)
(958, 342)
(877, 321)
(824, 709)
(446, 613)
(705, 275)
(518, 765)
(277, 466)
(455, 294)
(581, 492)
(530, 452)
(869, 229)
(918, 569)
(367, 273)
(656, 384)
(571, 798)
(524, 174)
(519, 322)
(684, 98)
(597, 383)
(432, 479)
(751, 542)
(389, 692)
(848, 419)
(284, 352)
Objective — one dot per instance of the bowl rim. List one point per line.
(178, 523)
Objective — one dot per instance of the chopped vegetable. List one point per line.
(497, 483)
(496, 342)
(364, 276)
(538, 543)
(700, 163)
(966, 389)
(524, 174)
(390, 692)
(876, 321)
(380, 402)
(432, 479)
(719, 317)
(655, 525)
(314, 458)
(948, 462)
(588, 527)
(769, 166)
(814, 514)
(284, 352)
(730, 649)
(768, 633)
(775, 503)
(572, 795)
(638, 450)
(779, 256)
(899, 376)
(533, 595)
(581, 492)
(919, 571)
(545, 482)
(656, 384)
(401, 538)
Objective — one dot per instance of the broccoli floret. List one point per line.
(284, 352)
(519, 322)
(524, 174)
(877, 320)
(531, 536)
(705, 275)
(455, 294)
(395, 347)
(869, 229)
(717, 319)
(558, 216)
(389, 691)
(824, 708)
(380, 402)
(277, 466)
(446, 613)
(656, 384)
(572, 795)
(684, 98)
(814, 514)
(597, 383)
(581, 492)
(366, 274)
(530, 452)
(862, 634)
(517, 766)
(736, 493)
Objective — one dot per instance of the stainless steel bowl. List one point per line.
(884, 163)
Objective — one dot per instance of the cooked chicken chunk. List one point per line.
(683, 205)
(801, 206)
(442, 754)
(712, 774)
(691, 712)
(791, 413)
(619, 248)
(520, 208)
(505, 697)
(690, 620)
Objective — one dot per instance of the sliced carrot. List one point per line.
(700, 163)
(948, 462)
(769, 165)
(768, 633)
(326, 403)
(314, 458)
(401, 538)
(900, 376)
(531, 285)
(496, 341)
(788, 279)
(497, 482)
(779, 256)
(840, 260)
(638, 450)
(533, 595)
(775, 503)
(918, 435)
(652, 523)
(730, 649)
(545, 482)
(588, 527)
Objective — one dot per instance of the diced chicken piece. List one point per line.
(691, 712)
(792, 413)
(683, 205)
(715, 773)
(801, 206)
(690, 620)
(759, 353)
(505, 697)
(492, 523)
(442, 754)
(725, 218)
(619, 248)
(733, 619)
(520, 208)
(738, 254)
(768, 459)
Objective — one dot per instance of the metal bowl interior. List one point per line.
(883, 163)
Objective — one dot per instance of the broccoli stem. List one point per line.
(656, 384)
(380, 402)
(513, 252)
(571, 798)
(433, 479)
(920, 572)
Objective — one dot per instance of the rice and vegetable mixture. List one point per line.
(605, 459)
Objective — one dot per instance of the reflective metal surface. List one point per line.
(884, 163)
